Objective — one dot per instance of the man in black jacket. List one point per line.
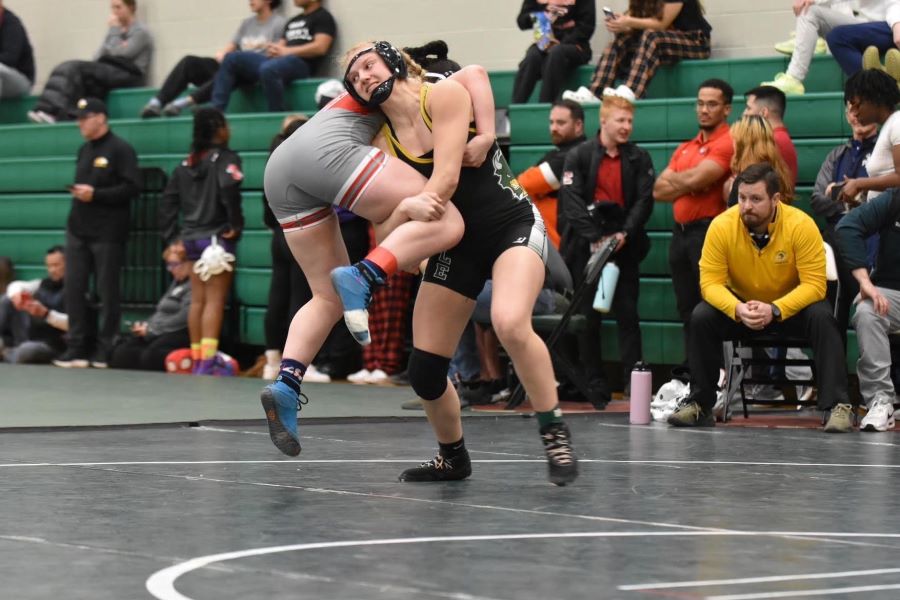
(554, 56)
(607, 191)
(106, 181)
(16, 57)
(32, 315)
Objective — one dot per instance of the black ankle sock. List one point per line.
(454, 449)
(291, 373)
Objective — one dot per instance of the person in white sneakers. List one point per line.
(817, 18)
(878, 304)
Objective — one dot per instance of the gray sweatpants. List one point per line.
(817, 21)
(874, 365)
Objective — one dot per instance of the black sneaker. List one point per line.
(440, 469)
(100, 359)
(72, 359)
(151, 111)
(691, 415)
(562, 465)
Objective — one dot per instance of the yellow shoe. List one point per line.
(788, 84)
(788, 46)
(892, 63)
(871, 59)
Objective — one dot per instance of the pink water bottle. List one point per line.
(641, 392)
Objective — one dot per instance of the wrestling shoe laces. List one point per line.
(440, 468)
(562, 465)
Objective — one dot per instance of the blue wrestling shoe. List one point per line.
(281, 405)
(355, 287)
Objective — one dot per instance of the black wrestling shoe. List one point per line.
(440, 469)
(562, 465)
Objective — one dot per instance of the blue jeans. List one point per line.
(847, 43)
(247, 68)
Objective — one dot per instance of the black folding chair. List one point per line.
(569, 321)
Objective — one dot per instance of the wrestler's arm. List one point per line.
(421, 207)
(476, 81)
(450, 107)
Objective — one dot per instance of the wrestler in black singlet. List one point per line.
(497, 212)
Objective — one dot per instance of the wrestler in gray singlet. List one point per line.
(329, 161)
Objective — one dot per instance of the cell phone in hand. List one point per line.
(609, 12)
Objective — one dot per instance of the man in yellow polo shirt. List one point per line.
(763, 270)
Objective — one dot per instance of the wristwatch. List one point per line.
(776, 313)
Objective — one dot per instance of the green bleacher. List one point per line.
(37, 162)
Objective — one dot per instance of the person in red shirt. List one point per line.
(608, 192)
(770, 103)
(693, 184)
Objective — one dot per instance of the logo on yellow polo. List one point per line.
(780, 257)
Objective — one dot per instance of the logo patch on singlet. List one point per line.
(505, 177)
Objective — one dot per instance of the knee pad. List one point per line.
(428, 374)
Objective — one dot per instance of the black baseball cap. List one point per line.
(89, 106)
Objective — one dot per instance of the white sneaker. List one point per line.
(270, 371)
(313, 375)
(378, 377)
(582, 96)
(879, 418)
(360, 377)
(39, 116)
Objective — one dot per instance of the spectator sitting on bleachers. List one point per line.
(306, 39)
(770, 103)
(754, 142)
(649, 35)
(543, 180)
(167, 327)
(763, 271)
(693, 183)
(607, 192)
(872, 97)
(205, 191)
(32, 315)
(814, 19)
(122, 61)
(847, 161)
(7, 273)
(254, 35)
(16, 56)
(860, 45)
(107, 179)
(878, 306)
(563, 29)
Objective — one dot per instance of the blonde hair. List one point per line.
(754, 142)
(414, 69)
(613, 102)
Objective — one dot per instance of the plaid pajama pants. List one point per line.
(645, 51)
(388, 316)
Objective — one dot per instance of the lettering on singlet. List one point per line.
(442, 266)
